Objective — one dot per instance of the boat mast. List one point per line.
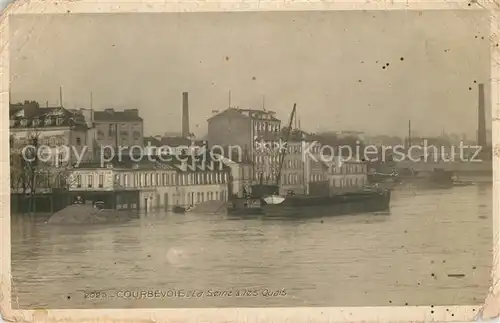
(282, 155)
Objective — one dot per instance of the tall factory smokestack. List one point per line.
(481, 117)
(185, 115)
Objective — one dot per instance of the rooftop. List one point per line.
(34, 116)
(111, 115)
(177, 163)
(249, 113)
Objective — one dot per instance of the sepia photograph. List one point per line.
(250, 159)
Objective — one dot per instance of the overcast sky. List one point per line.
(329, 63)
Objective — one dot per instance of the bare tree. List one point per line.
(31, 167)
(17, 174)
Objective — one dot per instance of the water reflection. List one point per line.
(403, 256)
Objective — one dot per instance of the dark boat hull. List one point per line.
(295, 206)
(245, 211)
(245, 206)
(179, 209)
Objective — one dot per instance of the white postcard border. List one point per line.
(490, 311)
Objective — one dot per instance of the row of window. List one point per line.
(199, 197)
(38, 122)
(265, 176)
(294, 163)
(349, 182)
(89, 181)
(267, 159)
(276, 147)
(155, 179)
(266, 126)
(317, 177)
(293, 179)
(50, 142)
(113, 128)
(349, 169)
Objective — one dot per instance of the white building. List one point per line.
(159, 185)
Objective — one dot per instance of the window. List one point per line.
(61, 158)
(78, 181)
(111, 130)
(125, 180)
(89, 181)
(101, 181)
(59, 121)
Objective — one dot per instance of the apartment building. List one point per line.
(52, 128)
(119, 128)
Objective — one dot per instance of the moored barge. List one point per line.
(367, 201)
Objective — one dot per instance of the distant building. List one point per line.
(119, 128)
(173, 145)
(240, 126)
(51, 127)
(347, 175)
(246, 128)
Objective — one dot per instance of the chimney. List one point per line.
(481, 118)
(185, 115)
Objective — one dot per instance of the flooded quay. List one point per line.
(433, 247)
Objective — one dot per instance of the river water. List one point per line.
(414, 255)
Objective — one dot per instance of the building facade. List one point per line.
(61, 136)
(119, 128)
(148, 185)
(246, 129)
(347, 176)
(241, 126)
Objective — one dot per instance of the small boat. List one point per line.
(273, 199)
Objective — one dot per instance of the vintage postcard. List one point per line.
(307, 163)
